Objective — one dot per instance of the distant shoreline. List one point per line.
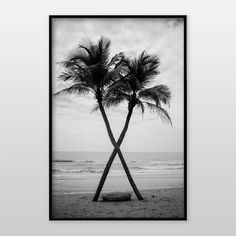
(72, 155)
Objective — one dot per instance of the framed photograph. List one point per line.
(118, 117)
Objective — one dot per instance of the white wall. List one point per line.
(24, 117)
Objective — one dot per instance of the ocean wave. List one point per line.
(76, 171)
(92, 168)
(159, 167)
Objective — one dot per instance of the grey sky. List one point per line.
(77, 129)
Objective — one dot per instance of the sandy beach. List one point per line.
(160, 203)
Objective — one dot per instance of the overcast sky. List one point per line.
(75, 128)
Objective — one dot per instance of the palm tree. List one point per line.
(132, 87)
(90, 70)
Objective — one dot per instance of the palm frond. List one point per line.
(86, 45)
(148, 74)
(104, 49)
(67, 63)
(113, 98)
(134, 83)
(85, 52)
(95, 108)
(74, 75)
(162, 113)
(65, 76)
(113, 102)
(116, 60)
(78, 89)
(159, 93)
(121, 84)
(144, 68)
(118, 93)
(148, 59)
(115, 74)
(140, 105)
(79, 56)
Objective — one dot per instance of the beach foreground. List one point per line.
(160, 203)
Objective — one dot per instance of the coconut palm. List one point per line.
(90, 71)
(133, 87)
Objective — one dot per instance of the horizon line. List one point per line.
(123, 151)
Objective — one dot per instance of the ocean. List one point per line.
(80, 172)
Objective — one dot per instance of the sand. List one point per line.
(161, 203)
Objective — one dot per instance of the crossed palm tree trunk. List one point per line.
(115, 151)
(90, 70)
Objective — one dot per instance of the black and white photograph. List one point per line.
(118, 118)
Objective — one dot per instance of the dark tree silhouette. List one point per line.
(132, 87)
(90, 70)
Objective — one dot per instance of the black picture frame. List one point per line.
(51, 17)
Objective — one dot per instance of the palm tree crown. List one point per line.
(90, 70)
(132, 86)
